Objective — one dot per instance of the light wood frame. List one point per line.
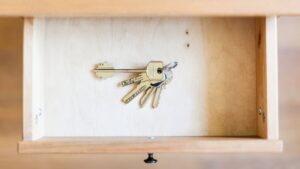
(149, 8)
(267, 106)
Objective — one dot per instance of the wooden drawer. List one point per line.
(223, 98)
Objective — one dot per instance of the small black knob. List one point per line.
(150, 159)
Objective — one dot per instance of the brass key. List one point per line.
(153, 70)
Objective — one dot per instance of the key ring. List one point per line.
(170, 66)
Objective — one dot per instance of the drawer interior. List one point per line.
(216, 89)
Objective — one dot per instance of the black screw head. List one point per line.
(150, 159)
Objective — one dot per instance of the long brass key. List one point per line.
(153, 71)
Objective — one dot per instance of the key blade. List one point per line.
(102, 70)
(156, 97)
(145, 97)
(136, 79)
(136, 91)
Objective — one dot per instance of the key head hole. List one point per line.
(159, 70)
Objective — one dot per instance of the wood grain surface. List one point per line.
(61, 145)
(148, 7)
(11, 116)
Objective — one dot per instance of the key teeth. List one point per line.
(132, 94)
(124, 83)
(104, 65)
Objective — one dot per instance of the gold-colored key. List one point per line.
(160, 87)
(156, 97)
(141, 87)
(151, 87)
(149, 80)
(153, 71)
(147, 94)
(136, 79)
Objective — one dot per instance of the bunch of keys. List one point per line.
(150, 80)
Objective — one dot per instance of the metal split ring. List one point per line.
(170, 66)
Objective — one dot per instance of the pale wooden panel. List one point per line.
(267, 78)
(272, 77)
(33, 102)
(261, 83)
(27, 82)
(148, 7)
(142, 145)
(213, 91)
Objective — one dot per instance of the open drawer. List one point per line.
(223, 97)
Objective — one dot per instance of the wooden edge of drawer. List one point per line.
(142, 145)
(148, 8)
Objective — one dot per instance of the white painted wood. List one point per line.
(213, 92)
(27, 80)
(33, 80)
(272, 77)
